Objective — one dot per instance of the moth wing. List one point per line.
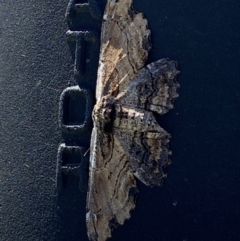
(112, 186)
(154, 88)
(124, 47)
(148, 153)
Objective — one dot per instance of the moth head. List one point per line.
(104, 113)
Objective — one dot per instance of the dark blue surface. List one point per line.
(199, 200)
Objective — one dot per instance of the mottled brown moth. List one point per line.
(127, 142)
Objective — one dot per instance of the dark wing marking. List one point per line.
(148, 154)
(154, 88)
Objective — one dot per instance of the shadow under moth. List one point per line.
(127, 142)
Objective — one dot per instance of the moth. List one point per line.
(126, 142)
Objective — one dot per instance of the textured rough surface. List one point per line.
(126, 140)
